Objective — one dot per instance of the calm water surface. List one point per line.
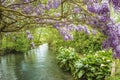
(38, 64)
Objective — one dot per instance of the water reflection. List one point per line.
(37, 64)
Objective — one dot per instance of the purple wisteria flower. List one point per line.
(26, 0)
(54, 3)
(106, 44)
(79, 28)
(42, 6)
(116, 4)
(56, 14)
(68, 37)
(91, 8)
(29, 36)
(32, 45)
(117, 49)
(71, 27)
(47, 7)
(39, 11)
(27, 32)
(76, 9)
(116, 55)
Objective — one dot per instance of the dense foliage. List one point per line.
(94, 66)
(27, 39)
(17, 42)
(82, 43)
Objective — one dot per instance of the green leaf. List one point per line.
(80, 74)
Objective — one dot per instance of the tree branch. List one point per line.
(21, 3)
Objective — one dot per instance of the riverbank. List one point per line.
(37, 64)
(1, 52)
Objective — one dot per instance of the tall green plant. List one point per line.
(21, 44)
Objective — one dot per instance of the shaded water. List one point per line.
(39, 64)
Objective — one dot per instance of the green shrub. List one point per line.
(15, 43)
(21, 44)
(95, 66)
(83, 43)
(66, 58)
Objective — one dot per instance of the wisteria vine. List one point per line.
(66, 16)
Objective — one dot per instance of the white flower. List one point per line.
(108, 60)
(102, 51)
(102, 65)
(103, 58)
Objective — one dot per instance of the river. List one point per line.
(37, 64)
